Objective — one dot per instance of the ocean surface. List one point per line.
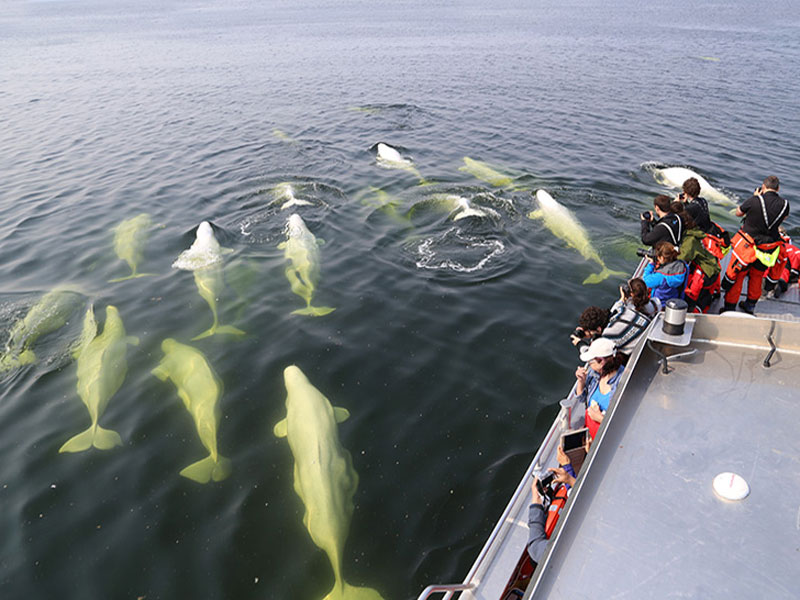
(449, 343)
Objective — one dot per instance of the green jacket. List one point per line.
(693, 251)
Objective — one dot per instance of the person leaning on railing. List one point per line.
(756, 246)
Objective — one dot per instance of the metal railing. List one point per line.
(448, 588)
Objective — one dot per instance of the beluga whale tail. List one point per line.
(563, 224)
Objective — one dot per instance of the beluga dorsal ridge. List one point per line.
(301, 249)
(102, 367)
(130, 238)
(390, 158)
(200, 389)
(674, 177)
(563, 224)
(324, 477)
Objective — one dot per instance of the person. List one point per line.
(665, 225)
(695, 205)
(667, 276)
(597, 384)
(704, 269)
(630, 315)
(785, 271)
(590, 326)
(756, 246)
(537, 517)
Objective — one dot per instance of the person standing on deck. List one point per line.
(665, 225)
(695, 205)
(756, 246)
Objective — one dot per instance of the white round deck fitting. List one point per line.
(730, 486)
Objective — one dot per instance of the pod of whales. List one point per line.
(130, 237)
(563, 224)
(204, 259)
(324, 477)
(200, 389)
(301, 249)
(102, 366)
(675, 176)
(50, 313)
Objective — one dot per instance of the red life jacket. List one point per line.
(559, 500)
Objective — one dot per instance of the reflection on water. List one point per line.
(449, 340)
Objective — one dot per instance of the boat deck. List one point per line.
(644, 522)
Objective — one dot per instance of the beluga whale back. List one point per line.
(563, 224)
(481, 170)
(324, 477)
(301, 249)
(675, 176)
(389, 157)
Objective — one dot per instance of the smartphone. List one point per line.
(574, 439)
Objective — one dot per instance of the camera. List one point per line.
(625, 288)
(646, 253)
(543, 485)
(682, 196)
(579, 333)
(647, 215)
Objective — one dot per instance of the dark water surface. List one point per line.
(449, 340)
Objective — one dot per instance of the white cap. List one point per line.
(599, 348)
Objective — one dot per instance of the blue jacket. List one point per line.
(666, 282)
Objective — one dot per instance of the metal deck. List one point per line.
(643, 520)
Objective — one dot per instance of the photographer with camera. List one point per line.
(666, 225)
(666, 275)
(590, 326)
(695, 205)
(756, 246)
(630, 315)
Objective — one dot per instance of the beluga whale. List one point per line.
(200, 389)
(130, 237)
(563, 224)
(284, 194)
(481, 170)
(675, 176)
(49, 314)
(204, 259)
(324, 477)
(301, 249)
(102, 367)
(389, 157)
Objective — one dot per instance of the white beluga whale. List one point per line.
(674, 177)
(481, 170)
(204, 259)
(390, 158)
(563, 224)
(102, 366)
(324, 477)
(464, 208)
(301, 249)
(285, 194)
(130, 238)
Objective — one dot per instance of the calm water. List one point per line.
(449, 340)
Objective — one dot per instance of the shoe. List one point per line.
(727, 307)
(748, 306)
(780, 289)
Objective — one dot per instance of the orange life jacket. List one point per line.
(558, 502)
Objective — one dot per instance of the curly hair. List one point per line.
(593, 317)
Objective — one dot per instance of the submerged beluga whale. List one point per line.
(675, 176)
(481, 170)
(284, 194)
(301, 249)
(102, 367)
(130, 237)
(324, 477)
(204, 259)
(563, 224)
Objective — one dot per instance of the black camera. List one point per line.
(626, 289)
(647, 215)
(646, 253)
(579, 333)
(544, 487)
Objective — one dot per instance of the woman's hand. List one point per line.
(594, 412)
(562, 476)
(580, 375)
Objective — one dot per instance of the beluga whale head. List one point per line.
(204, 251)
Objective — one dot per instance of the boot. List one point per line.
(780, 289)
(727, 307)
(748, 306)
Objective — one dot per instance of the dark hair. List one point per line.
(666, 250)
(691, 187)
(772, 182)
(612, 363)
(592, 318)
(640, 295)
(679, 208)
(662, 203)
